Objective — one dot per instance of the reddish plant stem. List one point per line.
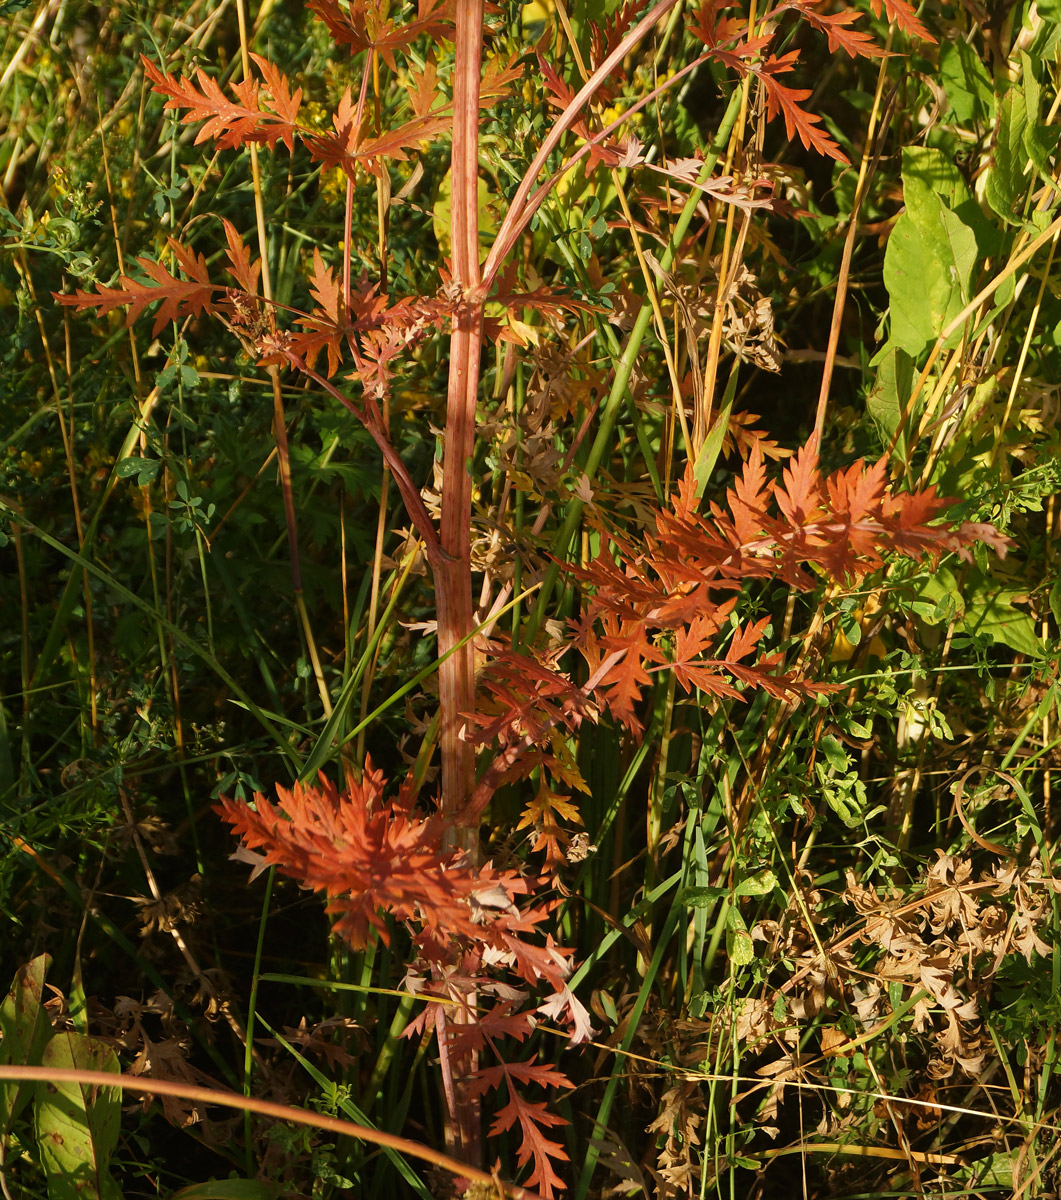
(453, 575)
(453, 582)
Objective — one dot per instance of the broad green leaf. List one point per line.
(1044, 42)
(25, 1028)
(1007, 183)
(927, 267)
(441, 216)
(891, 389)
(145, 469)
(1041, 143)
(992, 614)
(756, 885)
(938, 597)
(939, 172)
(739, 946)
(996, 1171)
(228, 1189)
(78, 1124)
(1032, 96)
(966, 82)
(702, 897)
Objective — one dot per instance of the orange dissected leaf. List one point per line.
(367, 25)
(366, 855)
(859, 490)
(339, 149)
(745, 639)
(903, 14)
(345, 148)
(748, 498)
(550, 302)
(800, 497)
(726, 37)
(545, 812)
(624, 681)
(681, 583)
(394, 143)
(179, 297)
(533, 1119)
(232, 123)
(423, 88)
(836, 28)
(244, 271)
(497, 80)
(561, 96)
(327, 326)
(546, 300)
(369, 856)
(280, 99)
(786, 101)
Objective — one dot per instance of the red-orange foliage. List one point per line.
(372, 858)
(667, 604)
(684, 582)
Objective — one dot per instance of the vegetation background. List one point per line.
(789, 818)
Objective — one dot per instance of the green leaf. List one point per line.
(935, 171)
(966, 82)
(25, 1028)
(1006, 182)
(835, 754)
(228, 1189)
(939, 173)
(891, 389)
(1055, 601)
(993, 615)
(938, 597)
(78, 1124)
(1032, 92)
(702, 897)
(145, 469)
(756, 885)
(995, 1171)
(739, 947)
(1041, 143)
(851, 629)
(845, 795)
(927, 266)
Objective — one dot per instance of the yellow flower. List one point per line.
(333, 185)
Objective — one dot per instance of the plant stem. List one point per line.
(453, 582)
(453, 574)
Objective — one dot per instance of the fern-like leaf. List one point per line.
(179, 297)
(903, 14)
(532, 1117)
(231, 122)
(836, 27)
